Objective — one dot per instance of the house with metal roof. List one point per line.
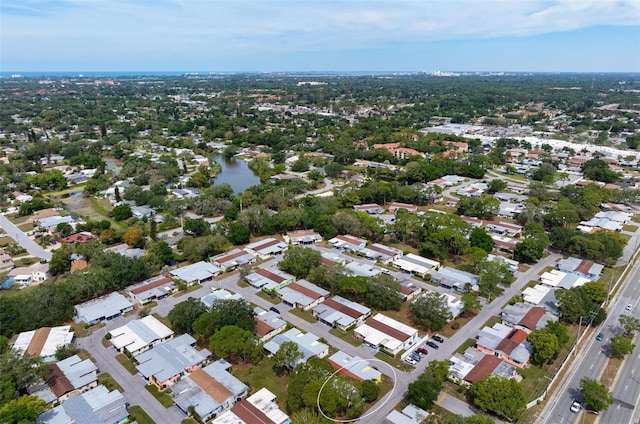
(233, 259)
(411, 414)
(302, 237)
(584, 268)
(558, 279)
(341, 313)
(506, 343)
(303, 294)
(170, 360)
(513, 265)
(198, 273)
(416, 265)
(269, 278)
(267, 248)
(455, 279)
(347, 242)
(268, 324)
(396, 206)
(370, 208)
(140, 335)
(154, 288)
(381, 253)
(354, 367)
(308, 344)
(44, 341)
(219, 294)
(474, 365)
(526, 317)
(103, 308)
(71, 376)
(504, 229)
(359, 269)
(382, 332)
(259, 408)
(97, 406)
(210, 390)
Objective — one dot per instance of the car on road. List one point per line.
(274, 310)
(600, 336)
(438, 338)
(410, 361)
(422, 350)
(433, 345)
(575, 406)
(629, 307)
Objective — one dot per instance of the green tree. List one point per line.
(528, 250)
(60, 260)
(494, 274)
(424, 391)
(629, 323)
(545, 347)
(286, 358)
(64, 229)
(496, 185)
(300, 260)
(501, 396)
(560, 330)
(197, 227)
(18, 372)
(480, 238)
(134, 237)
(22, 410)
(430, 311)
(224, 312)
(184, 314)
(369, 390)
(235, 344)
(470, 304)
(596, 291)
(121, 212)
(570, 305)
(239, 234)
(66, 351)
(621, 345)
(596, 396)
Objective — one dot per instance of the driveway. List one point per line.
(23, 240)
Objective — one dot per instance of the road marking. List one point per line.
(591, 366)
(633, 370)
(626, 387)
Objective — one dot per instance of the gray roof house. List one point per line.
(233, 259)
(103, 308)
(97, 406)
(211, 390)
(302, 237)
(269, 278)
(582, 267)
(267, 248)
(307, 343)
(341, 313)
(302, 294)
(354, 367)
(381, 253)
(454, 278)
(198, 273)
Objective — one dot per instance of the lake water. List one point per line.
(236, 173)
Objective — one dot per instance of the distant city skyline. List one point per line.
(317, 35)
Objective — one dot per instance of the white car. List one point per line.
(410, 360)
(629, 307)
(575, 406)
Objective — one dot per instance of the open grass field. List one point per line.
(163, 396)
(262, 375)
(139, 415)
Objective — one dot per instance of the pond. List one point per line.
(236, 173)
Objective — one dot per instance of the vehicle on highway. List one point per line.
(422, 350)
(600, 336)
(629, 307)
(575, 406)
(409, 361)
(438, 338)
(433, 345)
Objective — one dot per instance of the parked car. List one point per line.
(274, 310)
(438, 338)
(575, 406)
(416, 358)
(433, 345)
(600, 336)
(422, 350)
(409, 361)
(629, 307)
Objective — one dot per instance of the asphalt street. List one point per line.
(23, 240)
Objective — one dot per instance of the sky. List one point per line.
(319, 35)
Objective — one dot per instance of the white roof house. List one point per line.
(414, 264)
(559, 279)
(219, 294)
(354, 366)
(103, 308)
(259, 408)
(97, 406)
(302, 237)
(340, 312)
(346, 242)
(359, 269)
(154, 288)
(269, 278)
(307, 343)
(381, 253)
(386, 333)
(534, 295)
(267, 247)
(621, 217)
(198, 273)
(140, 335)
(302, 294)
(72, 376)
(233, 259)
(44, 341)
(582, 267)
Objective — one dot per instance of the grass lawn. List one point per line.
(467, 343)
(610, 371)
(394, 362)
(162, 319)
(630, 228)
(127, 362)
(6, 241)
(187, 290)
(26, 227)
(449, 331)
(491, 322)
(346, 336)
(403, 315)
(25, 262)
(262, 375)
(305, 315)
(636, 218)
(109, 382)
(189, 420)
(163, 397)
(80, 330)
(84, 354)
(265, 296)
(138, 414)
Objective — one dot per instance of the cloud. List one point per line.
(111, 29)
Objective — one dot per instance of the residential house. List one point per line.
(104, 308)
(341, 313)
(354, 367)
(473, 222)
(259, 408)
(198, 273)
(268, 324)
(539, 295)
(71, 377)
(302, 237)
(382, 332)
(269, 278)
(584, 268)
(619, 217)
(347, 242)
(416, 265)
(381, 253)
(169, 361)
(411, 414)
(505, 244)
(506, 343)
(474, 365)
(267, 248)
(52, 221)
(395, 206)
(44, 341)
(233, 259)
(219, 294)
(6, 262)
(142, 212)
(513, 265)
(596, 224)
(308, 345)
(526, 317)
(558, 279)
(151, 289)
(140, 335)
(302, 294)
(96, 406)
(82, 238)
(359, 269)
(504, 229)
(409, 290)
(26, 276)
(370, 208)
(210, 390)
(125, 250)
(455, 279)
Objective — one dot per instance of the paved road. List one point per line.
(133, 385)
(23, 240)
(592, 359)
